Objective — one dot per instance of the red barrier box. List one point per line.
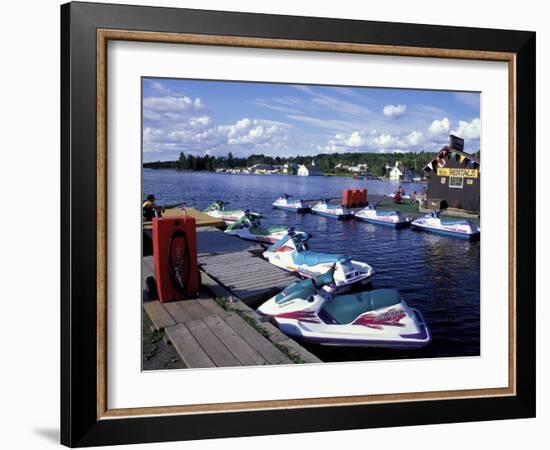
(175, 258)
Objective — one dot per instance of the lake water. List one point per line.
(439, 275)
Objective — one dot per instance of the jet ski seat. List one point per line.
(454, 221)
(346, 308)
(313, 258)
(386, 213)
(305, 288)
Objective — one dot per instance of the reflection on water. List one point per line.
(438, 275)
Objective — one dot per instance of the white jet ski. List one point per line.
(285, 204)
(310, 310)
(389, 218)
(291, 253)
(323, 208)
(447, 226)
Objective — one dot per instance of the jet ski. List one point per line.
(311, 311)
(249, 227)
(447, 226)
(389, 218)
(333, 211)
(285, 204)
(217, 210)
(291, 253)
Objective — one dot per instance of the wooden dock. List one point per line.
(201, 219)
(246, 275)
(220, 333)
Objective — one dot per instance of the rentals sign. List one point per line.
(448, 172)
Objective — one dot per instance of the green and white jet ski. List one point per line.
(217, 210)
(249, 227)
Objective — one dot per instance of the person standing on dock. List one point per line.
(151, 209)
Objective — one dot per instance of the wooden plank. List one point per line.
(212, 306)
(184, 311)
(249, 276)
(214, 348)
(241, 253)
(191, 353)
(158, 315)
(245, 272)
(258, 281)
(217, 262)
(269, 330)
(234, 266)
(201, 219)
(265, 348)
(235, 343)
(213, 286)
(195, 308)
(243, 284)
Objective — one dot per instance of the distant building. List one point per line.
(261, 168)
(454, 178)
(309, 171)
(359, 168)
(290, 169)
(341, 166)
(397, 173)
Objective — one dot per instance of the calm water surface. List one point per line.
(438, 275)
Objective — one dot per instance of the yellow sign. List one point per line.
(448, 172)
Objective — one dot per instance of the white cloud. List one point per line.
(439, 127)
(468, 130)
(159, 87)
(172, 104)
(394, 110)
(414, 137)
(199, 121)
(197, 135)
(355, 139)
(371, 141)
(383, 140)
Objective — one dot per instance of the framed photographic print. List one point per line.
(281, 224)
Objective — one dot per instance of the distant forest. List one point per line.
(327, 161)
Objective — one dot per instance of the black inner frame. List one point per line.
(79, 424)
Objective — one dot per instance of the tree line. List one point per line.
(328, 162)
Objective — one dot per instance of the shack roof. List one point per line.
(448, 150)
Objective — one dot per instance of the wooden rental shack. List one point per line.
(454, 178)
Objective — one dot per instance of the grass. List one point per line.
(150, 344)
(156, 354)
(294, 357)
(222, 302)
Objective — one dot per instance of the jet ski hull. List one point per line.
(386, 223)
(333, 215)
(302, 209)
(448, 232)
(263, 238)
(339, 339)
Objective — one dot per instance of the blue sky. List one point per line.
(216, 117)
